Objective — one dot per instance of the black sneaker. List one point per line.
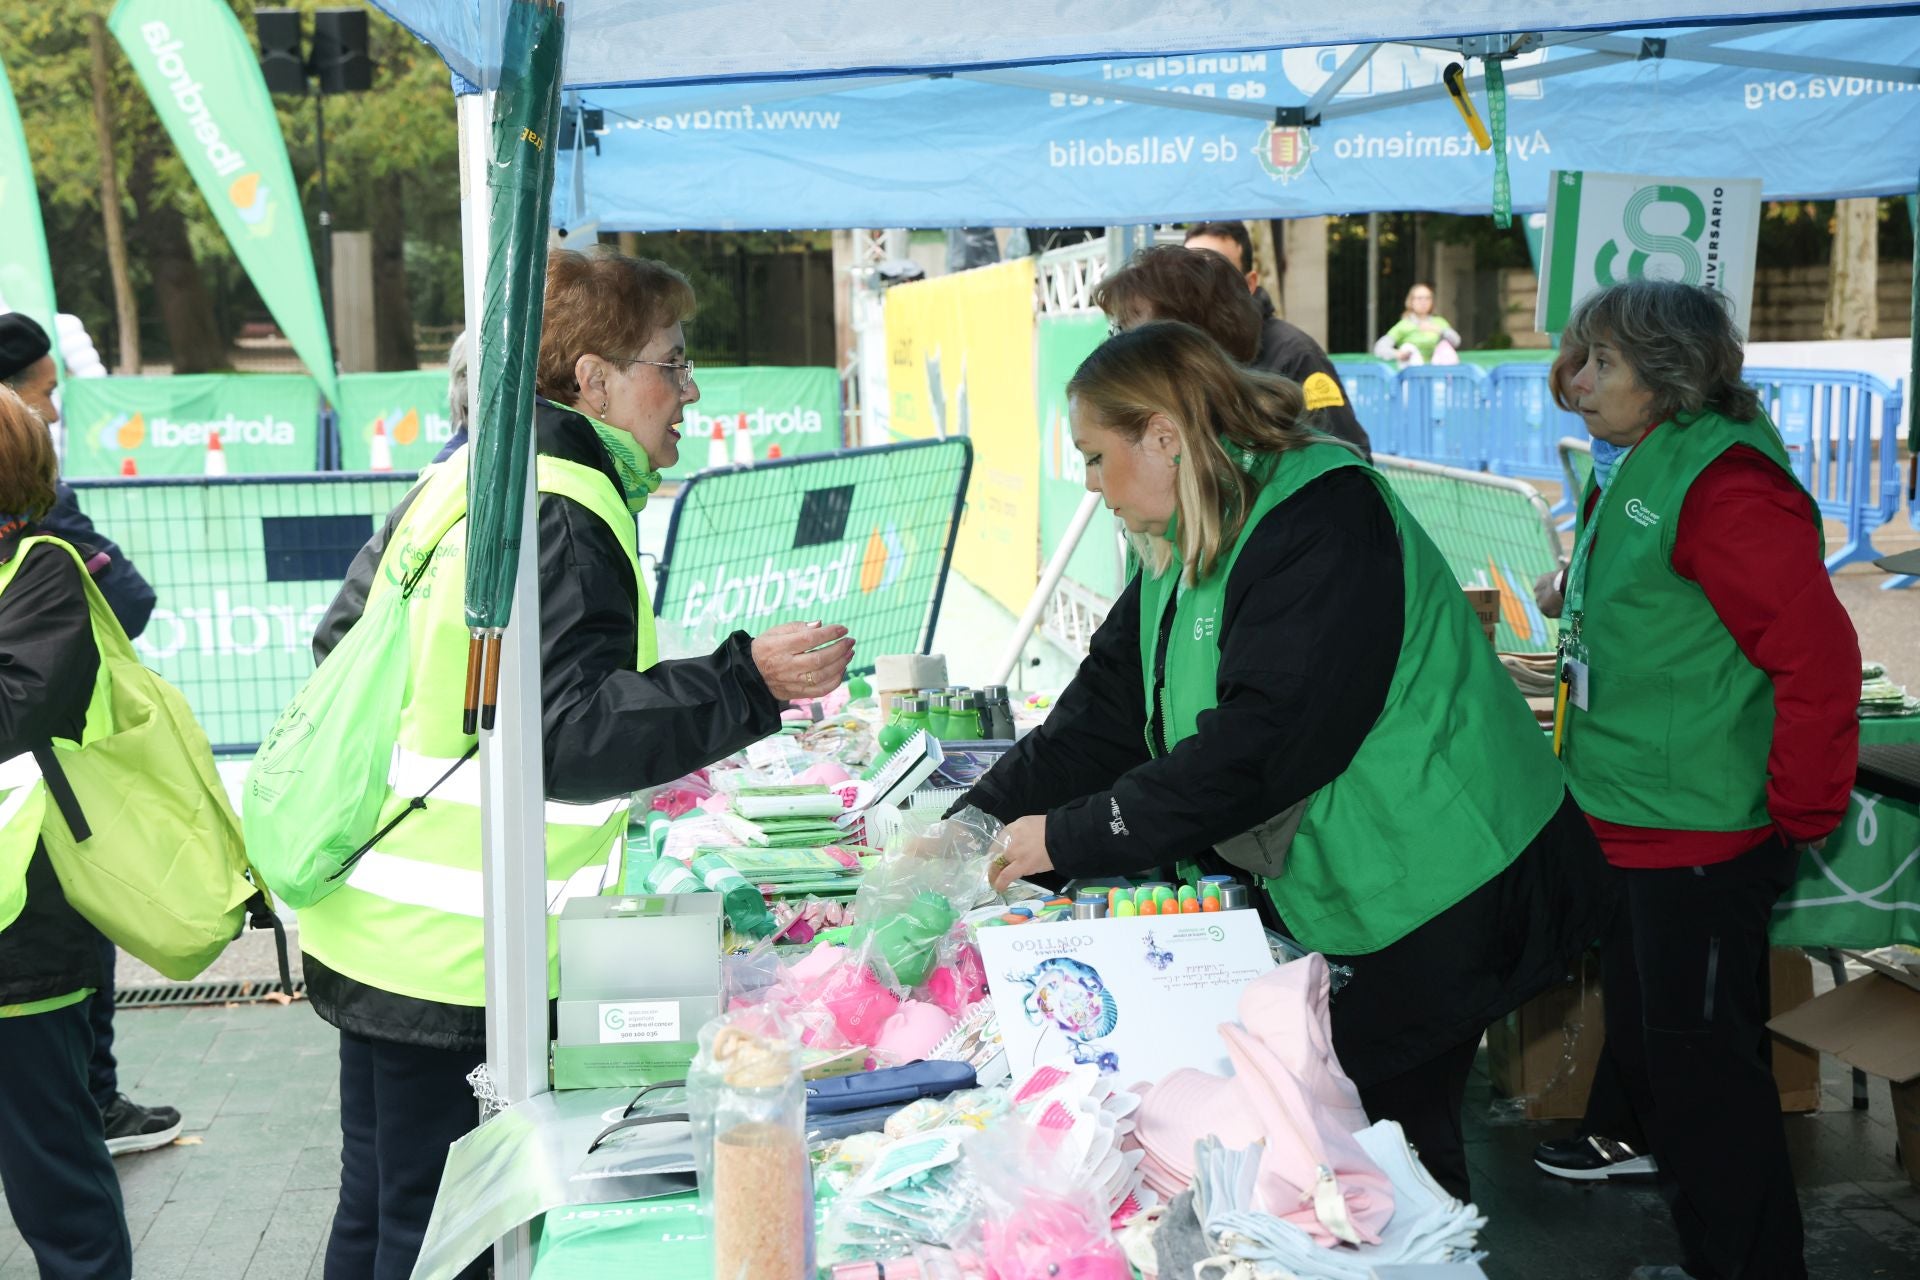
(1592, 1159)
(132, 1127)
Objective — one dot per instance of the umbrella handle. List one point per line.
(490, 699)
(476, 647)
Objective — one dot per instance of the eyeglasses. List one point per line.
(684, 368)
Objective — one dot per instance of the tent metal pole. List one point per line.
(1043, 592)
(1438, 92)
(512, 781)
(1762, 59)
(1343, 73)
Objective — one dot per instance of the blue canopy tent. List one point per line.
(914, 78)
(1276, 132)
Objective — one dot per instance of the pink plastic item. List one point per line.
(860, 1003)
(912, 1032)
(827, 773)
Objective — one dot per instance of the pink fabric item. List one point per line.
(1288, 1090)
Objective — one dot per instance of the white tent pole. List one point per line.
(1706, 51)
(512, 779)
(1037, 603)
(1338, 81)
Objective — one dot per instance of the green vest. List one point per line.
(23, 797)
(1454, 781)
(1678, 723)
(409, 917)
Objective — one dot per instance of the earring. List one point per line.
(1176, 459)
(605, 405)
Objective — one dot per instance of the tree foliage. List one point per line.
(394, 145)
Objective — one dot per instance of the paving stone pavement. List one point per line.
(248, 1193)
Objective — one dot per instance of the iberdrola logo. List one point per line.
(401, 424)
(1284, 151)
(884, 559)
(121, 431)
(254, 201)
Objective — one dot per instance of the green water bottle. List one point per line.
(917, 716)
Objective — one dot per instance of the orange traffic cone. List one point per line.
(717, 447)
(773, 452)
(380, 456)
(127, 468)
(742, 442)
(216, 455)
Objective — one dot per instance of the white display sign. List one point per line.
(1605, 228)
(1139, 997)
(640, 1022)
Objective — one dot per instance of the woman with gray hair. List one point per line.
(456, 397)
(1708, 689)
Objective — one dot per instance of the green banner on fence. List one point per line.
(26, 277)
(862, 539)
(407, 410)
(1064, 341)
(244, 573)
(266, 423)
(203, 76)
(796, 408)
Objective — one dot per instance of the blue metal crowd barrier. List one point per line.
(1842, 433)
(1841, 429)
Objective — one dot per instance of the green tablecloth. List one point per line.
(1863, 890)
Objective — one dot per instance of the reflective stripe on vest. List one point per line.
(408, 918)
(412, 774)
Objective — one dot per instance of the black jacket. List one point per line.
(128, 594)
(1310, 634)
(1291, 352)
(607, 729)
(48, 663)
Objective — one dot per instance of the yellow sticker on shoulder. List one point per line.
(1322, 391)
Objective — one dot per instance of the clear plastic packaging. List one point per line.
(1039, 1220)
(748, 1105)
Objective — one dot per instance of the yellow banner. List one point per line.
(960, 354)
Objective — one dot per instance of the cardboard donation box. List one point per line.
(1542, 1056)
(1486, 607)
(1872, 1023)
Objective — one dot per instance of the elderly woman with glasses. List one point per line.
(394, 958)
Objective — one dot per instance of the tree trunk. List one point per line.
(1853, 278)
(126, 312)
(392, 309)
(185, 308)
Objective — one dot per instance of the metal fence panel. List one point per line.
(1494, 532)
(244, 569)
(1829, 422)
(862, 538)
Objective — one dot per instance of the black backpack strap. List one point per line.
(417, 803)
(262, 916)
(62, 792)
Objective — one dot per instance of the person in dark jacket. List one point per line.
(26, 365)
(54, 1165)
(1321, 714)
(1284, 348)
(393, 958)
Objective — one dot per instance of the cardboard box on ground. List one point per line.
(1542, 1056)
(1872, 1023)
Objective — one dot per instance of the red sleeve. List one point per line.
(1743, 538)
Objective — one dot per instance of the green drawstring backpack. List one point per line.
(316, 787)
(139, 831)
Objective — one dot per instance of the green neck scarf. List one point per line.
(638, 481)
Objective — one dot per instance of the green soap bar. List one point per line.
(1163, 893)
(1187, 894)
(1209, 891)
(1125, 908)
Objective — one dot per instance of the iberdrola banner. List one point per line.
(26, 277)
(204, 78)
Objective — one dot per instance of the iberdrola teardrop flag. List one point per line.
(26, 277)
(204, 78)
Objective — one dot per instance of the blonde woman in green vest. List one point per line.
(1295, 690)
(54, 1166)
(1710, 735)
(394, 958)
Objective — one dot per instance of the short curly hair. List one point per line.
(1680, 340)
(1194, 286)
(603, 303)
